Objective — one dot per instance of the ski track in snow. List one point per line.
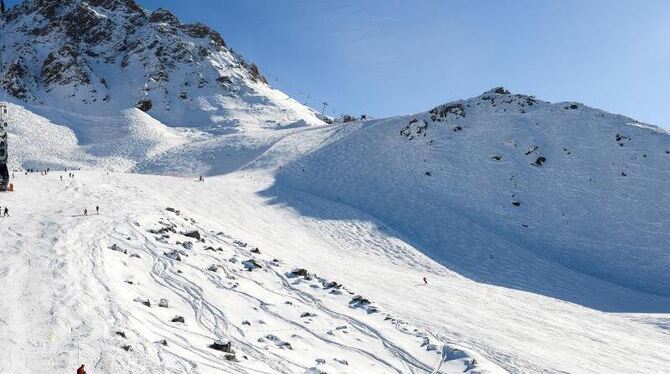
(75, 301)
(72, 290)
(561, 283)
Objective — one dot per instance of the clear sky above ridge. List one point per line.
(388, 57)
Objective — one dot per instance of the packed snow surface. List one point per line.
(75, 286)
(495, 234)
(541, 230)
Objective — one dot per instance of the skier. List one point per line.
(85, 211)
(6, 212)
(97, 210)
(81, 370)
(425, 281)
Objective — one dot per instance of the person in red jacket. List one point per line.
(81, 370)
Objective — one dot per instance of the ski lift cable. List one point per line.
(309, 99)
(314, 100)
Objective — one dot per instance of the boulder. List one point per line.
(222, 345)
(328, 285)
(163, 303)
(213, 268)
(195, 234)
(251, 265)
(115, 247)
(178, 319)
(173, 210)
(295, 273)
(144, 105)
(142, 301)
(173, 255)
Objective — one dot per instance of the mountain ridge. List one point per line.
(99, 56)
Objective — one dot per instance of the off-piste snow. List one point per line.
(500, 233)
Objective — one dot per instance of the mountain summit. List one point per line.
(100, 56)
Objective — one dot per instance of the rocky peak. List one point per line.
(164, 16)
(200, 30)
(129, 5)
(113, 53)
(497, 91)
(51, 8)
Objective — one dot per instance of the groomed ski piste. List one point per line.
(307, 253)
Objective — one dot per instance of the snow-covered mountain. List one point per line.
(484, 183)
(96, 66)
(541, 228)
(99, 56)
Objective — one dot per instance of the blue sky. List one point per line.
(391, 57)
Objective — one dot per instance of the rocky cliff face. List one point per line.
(97, 56)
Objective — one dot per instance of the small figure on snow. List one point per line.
(425, 281)
(81, 370)
(85, 211)
(5, 212)
(97, 210)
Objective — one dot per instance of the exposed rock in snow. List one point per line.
(174, 254)
(192, 234)
(251, 265)
(115, 247)
(143, 301)
(222, 345)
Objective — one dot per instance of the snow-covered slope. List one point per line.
(539, 227)
(100, 56)
(512, 191)
(74, 288)
(130, 140)
(95, 66)
(142, 289)
(542, 228)
(106, 84)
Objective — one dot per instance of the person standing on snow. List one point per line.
(97, 210)
(425, 281)
(85, 211)
(81, 370)
(6, 212)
